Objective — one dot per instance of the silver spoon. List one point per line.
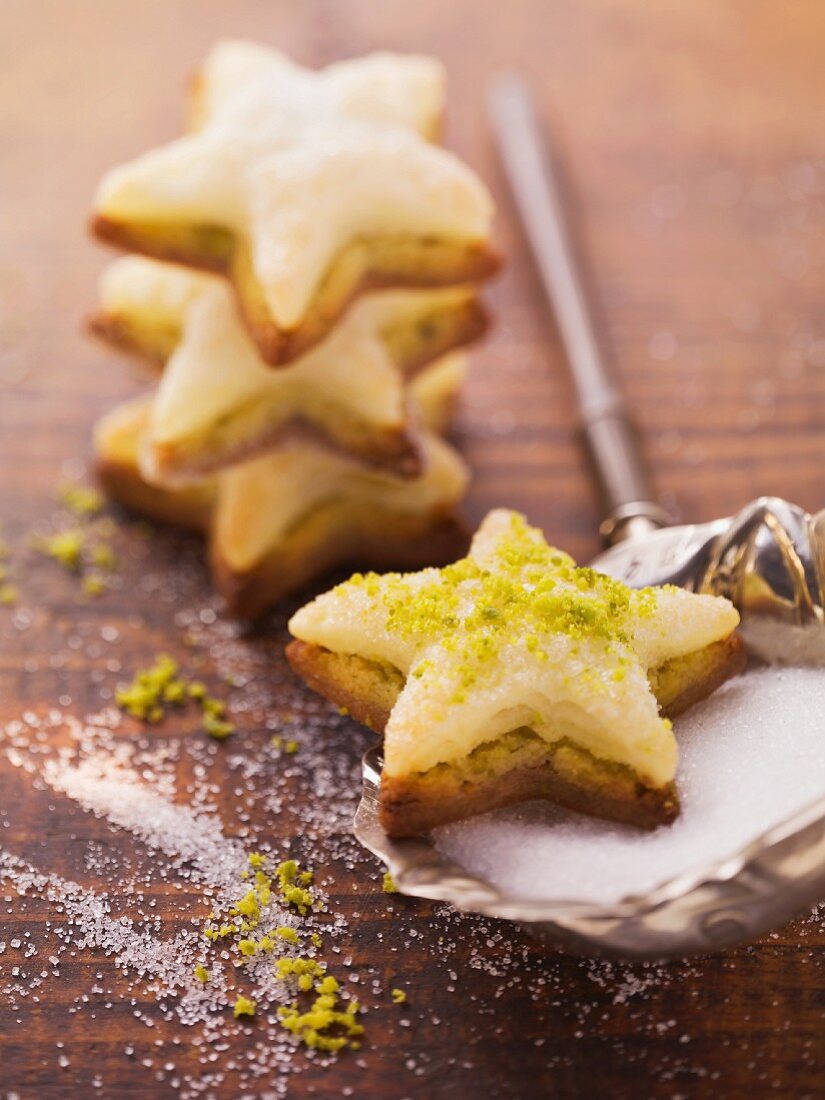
(769, 558)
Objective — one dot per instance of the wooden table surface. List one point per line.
(693, 135)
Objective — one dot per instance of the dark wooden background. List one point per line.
(693, 135)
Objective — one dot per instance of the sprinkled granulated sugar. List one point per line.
(106, 788)
(750, 756)
(120, 838)
(89, 915)
(259, 930)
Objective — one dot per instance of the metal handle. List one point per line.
(608, 430)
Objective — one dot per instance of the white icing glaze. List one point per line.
(117, 433)
(398, 89)
(259, 500)
(571, 692)
(216, 376)
(262, 499)
(300, 163)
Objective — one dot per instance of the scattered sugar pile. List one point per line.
(166, 962)
(751, 756)
(258, 935)
(107, 915)
(105, 787)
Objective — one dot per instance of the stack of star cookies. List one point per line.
(309, 263)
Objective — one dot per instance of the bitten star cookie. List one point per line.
(218, 403)
(277, 522)
(513, 675)
(305, 187)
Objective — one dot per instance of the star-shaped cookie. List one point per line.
(277, 522)
(306, 187)
(218, 403)
(512, 674)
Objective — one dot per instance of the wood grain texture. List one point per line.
(692, 136)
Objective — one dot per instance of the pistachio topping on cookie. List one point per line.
(517, 636)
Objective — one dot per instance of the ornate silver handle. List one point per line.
(608, 430)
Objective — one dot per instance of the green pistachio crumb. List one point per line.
(103, 556)
(216, 708)
(331, 1023)
(94, 585)
(217, 728)
(9, 595)
(298, 967)
(144, 697)
(293, 886)
(81, 500)
(66, 548)
(160, 686)
(248, 906)
(244, 1006)
(324, 1026)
